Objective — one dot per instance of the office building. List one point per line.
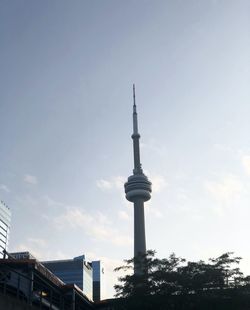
(86, 275)
(74, 271)
(98, 280)
(5, 217)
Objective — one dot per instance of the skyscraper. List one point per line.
(88, 276)
(74, 271)
(98, 283)
(5, 216)
(138, 190)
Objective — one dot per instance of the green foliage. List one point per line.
(171, 281)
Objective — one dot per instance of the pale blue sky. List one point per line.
(67, 69)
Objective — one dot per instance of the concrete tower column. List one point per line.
(138, 190)
(139, 227)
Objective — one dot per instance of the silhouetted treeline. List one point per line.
(174, 283)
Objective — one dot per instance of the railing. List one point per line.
(30, 289)
(37, 286)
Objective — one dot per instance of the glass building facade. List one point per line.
(5, 217)
(98, 272)
(87, 276)
(74, 271)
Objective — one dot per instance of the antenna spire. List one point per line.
(136, 137)
(134, 95)
(135, 121)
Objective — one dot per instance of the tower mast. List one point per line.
(136, 137)
(138, 190)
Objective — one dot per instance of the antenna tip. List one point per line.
(134, 93)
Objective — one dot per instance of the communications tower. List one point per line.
(138, 190)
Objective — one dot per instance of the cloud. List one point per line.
(96, 226)
(50, 202)
(103, 184)
(153, 211)
(245, 160)
(73, 217)
(30, 179)
(222, 147)
(154, 147)
(124, 215)
(113, 183)
(27, 201)
(35, 246)
(226, 190)
(4, 188)
(38, 242)
(120, 240)
(39, 248)
(158, 183)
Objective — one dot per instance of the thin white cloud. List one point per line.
(159, 183)
(50, 202)
(96, 226)
(182, 196)
(73, 217)
(38, 242)
(103, 184)
(35, 246)
(120, 240)
(225, 191)
(154, 147)
(113, 183)
(27, 201)
(30, 179)
(245, 160)
(124, 215)
(222, 147)
(4, 188)
(39, 248)
(119, 181)
(153, 211)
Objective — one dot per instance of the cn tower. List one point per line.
(138, 190)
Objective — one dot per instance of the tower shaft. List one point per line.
(139, 228)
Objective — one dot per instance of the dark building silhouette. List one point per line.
(27, 284)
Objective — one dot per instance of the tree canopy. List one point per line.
(171, 282)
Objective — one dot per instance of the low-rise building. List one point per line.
(30, 283)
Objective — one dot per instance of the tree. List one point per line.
(140, 284)
(171, 281)
(223, 264)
